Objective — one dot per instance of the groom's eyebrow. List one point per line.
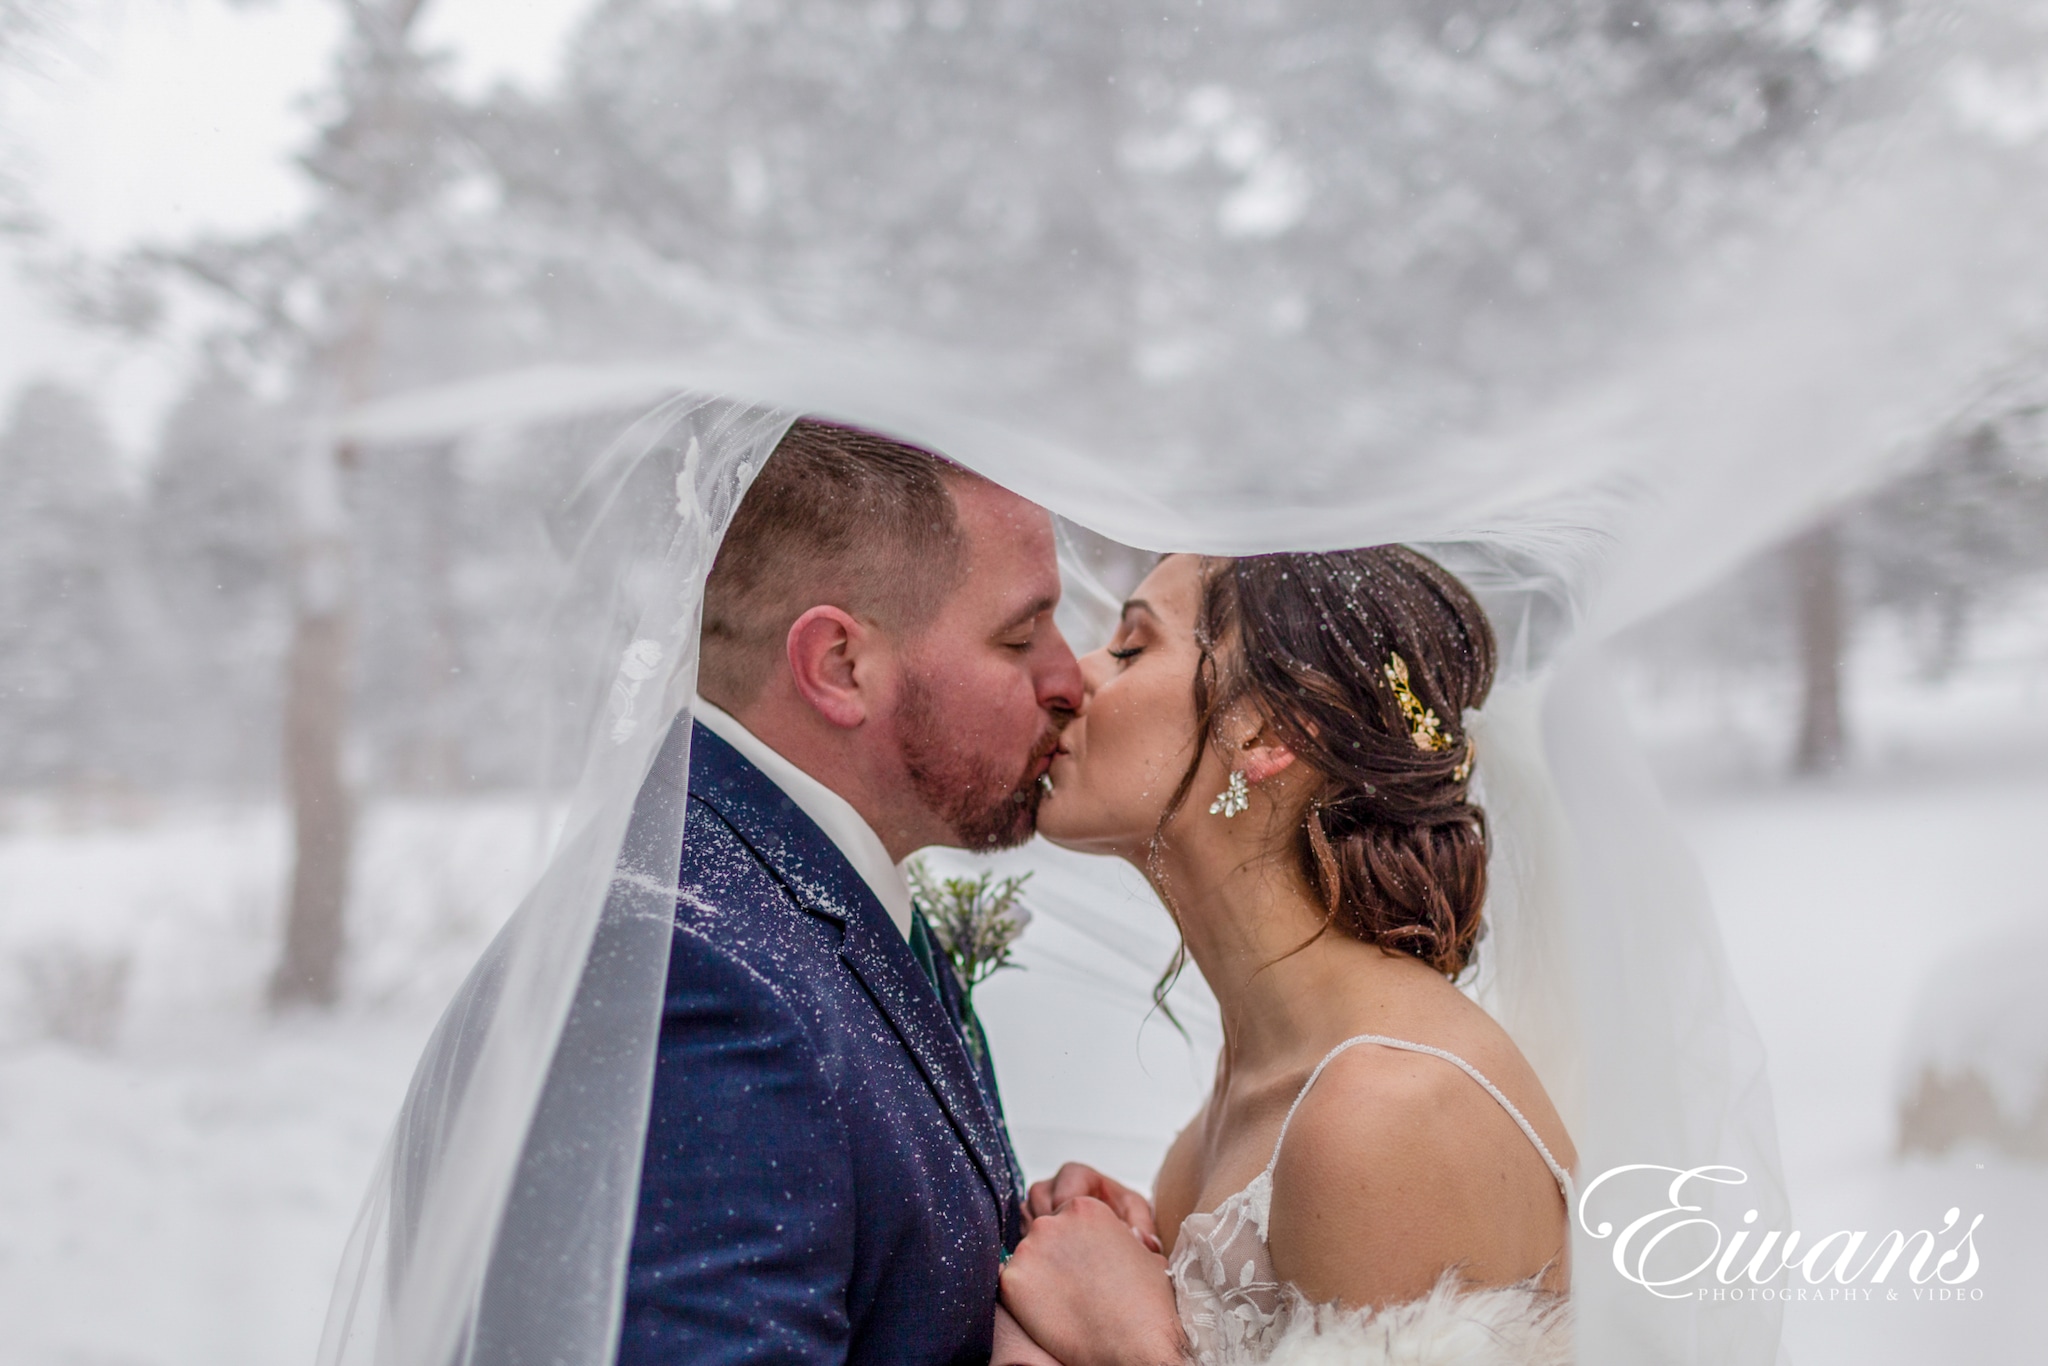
(1040, 606)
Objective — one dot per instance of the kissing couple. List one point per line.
(1278, 744)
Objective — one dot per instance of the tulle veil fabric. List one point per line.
(496, 1229)
(496, 1225)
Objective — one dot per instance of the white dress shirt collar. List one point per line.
(829, 811)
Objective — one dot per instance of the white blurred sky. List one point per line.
(152, 119)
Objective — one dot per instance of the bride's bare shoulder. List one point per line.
(1398, 1165)
(1178, 1185)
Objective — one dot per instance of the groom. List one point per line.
(827, 1175)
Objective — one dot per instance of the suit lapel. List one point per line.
(985, 1073)
(825, 884)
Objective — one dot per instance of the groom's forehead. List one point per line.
(1012, 557)
(1000, 522)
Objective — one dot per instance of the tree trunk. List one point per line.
(354, 162)
(323, 811)
(316, 713)
(441, 767)
(1821, 614)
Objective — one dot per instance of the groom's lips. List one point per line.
(1039, 767)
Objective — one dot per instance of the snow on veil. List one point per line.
(496, 1225)
(497, 1228)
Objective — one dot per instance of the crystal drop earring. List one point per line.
(1232, 799)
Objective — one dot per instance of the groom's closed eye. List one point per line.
(1020, 631)
(1027, 617)
(1021, 638)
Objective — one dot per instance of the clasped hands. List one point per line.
(1088, 1285)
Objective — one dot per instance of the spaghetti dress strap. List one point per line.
(1563, 1177)
(1233, 1305)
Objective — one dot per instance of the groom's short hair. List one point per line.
(837, 516)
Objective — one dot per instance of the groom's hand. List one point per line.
(1077, 1179)
(1088, 1292)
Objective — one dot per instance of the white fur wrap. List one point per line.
(1516, 1325)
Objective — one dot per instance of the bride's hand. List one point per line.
(1014, 1346)
(1090, 1293)
(1076, 1179)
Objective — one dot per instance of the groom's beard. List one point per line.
(984, 803)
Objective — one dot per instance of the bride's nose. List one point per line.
(1096, 667)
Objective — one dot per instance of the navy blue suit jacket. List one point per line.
(827, 1175)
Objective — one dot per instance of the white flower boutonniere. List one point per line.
(975, 922)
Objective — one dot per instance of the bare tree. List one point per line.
(1954, 534)
(1961, 532)
(707, 167)
(364, 163)
(1821, 619)
(1958, 534)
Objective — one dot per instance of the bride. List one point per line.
(1278, 744)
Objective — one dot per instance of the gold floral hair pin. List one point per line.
(1423, 727)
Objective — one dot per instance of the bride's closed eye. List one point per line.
(1128, 652)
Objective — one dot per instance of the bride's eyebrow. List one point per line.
(1138, 605)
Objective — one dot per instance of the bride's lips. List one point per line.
(1049, 749)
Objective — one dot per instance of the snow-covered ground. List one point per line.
(1858, 911)
(180, 1194)
(1838, 903)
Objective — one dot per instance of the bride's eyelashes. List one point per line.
(1128, 652)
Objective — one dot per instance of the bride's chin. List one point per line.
(1103, 842)
(1051, 828)
(1065, 821)
(1060, 822)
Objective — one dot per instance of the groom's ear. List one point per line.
(825, 647)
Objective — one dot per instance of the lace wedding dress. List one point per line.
(1235, 1310)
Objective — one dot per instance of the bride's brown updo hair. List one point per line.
(1389, 839)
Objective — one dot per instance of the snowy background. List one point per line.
(179, 1192)
(1852, 728)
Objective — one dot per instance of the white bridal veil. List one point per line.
(1736, 401)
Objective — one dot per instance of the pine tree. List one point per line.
(66, 609)
(215, 532)
(1963, 531)
(330, 295)
(1428, 212)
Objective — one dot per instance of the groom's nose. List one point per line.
(1060, 686)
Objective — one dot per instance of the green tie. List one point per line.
(969, 1023)
(921, 948)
